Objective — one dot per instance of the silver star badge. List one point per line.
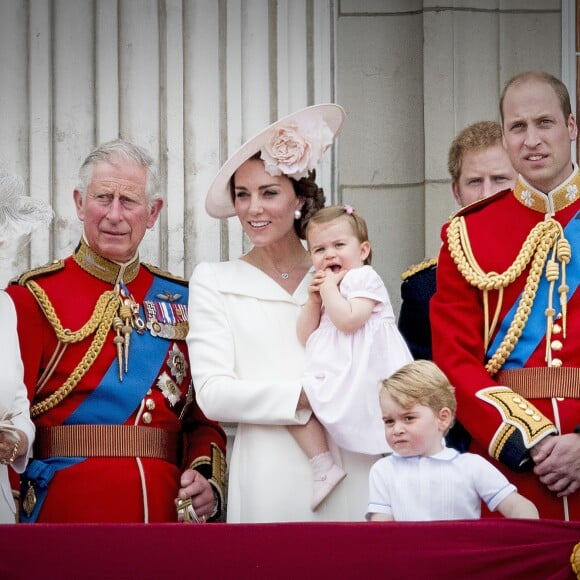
(177, 364)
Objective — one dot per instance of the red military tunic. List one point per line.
(542, 372)
(166, 431)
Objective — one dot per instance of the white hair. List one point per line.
(107, 152)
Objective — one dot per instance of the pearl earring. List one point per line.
(297, 214)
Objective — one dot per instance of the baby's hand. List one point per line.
(334, 278)
(314, 288)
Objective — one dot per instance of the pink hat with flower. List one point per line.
(291, 146)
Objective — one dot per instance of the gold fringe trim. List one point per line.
(427, 263)
(40, 271)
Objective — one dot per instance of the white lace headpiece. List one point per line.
(19, 213)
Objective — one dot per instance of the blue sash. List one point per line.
(112, 402)
(535, 330)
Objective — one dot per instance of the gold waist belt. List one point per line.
(542, 382)
(105, 441)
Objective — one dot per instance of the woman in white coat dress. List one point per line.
(19, 214)
(246, 359)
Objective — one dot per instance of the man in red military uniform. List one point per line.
(103, 344)
(506, 314)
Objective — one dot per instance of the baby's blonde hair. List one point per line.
(333, 212)
(420, 382)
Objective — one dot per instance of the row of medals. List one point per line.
(164, 319)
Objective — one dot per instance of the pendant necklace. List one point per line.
(285, 275)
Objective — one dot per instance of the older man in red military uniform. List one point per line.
(103, 344)
(506, 314)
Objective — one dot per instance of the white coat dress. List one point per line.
(13, 399)
(247, 364)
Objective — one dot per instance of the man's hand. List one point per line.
(196, 487)
(558, 463)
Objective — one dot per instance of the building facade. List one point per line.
(193, 79)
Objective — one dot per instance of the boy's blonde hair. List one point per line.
(420, 382)
(333, 212)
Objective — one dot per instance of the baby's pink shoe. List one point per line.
(324, 484)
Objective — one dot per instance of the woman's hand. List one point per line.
(13, 444)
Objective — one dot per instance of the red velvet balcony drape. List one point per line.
(484, 549)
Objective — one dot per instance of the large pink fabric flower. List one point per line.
(295, 150)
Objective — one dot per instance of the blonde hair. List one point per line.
(333, 212)
(420, 382)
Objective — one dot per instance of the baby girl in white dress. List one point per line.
(352, 343)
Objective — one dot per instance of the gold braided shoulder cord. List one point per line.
(535, 249)
(99, 323)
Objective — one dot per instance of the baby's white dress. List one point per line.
(343, 371)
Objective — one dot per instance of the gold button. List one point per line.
(556, 362)
(147, 418)
(150, 404)
(529, 412)
(517, 400)
(556, 345)
(537, 418)
(522, 406)
(556, 329)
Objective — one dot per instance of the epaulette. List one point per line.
(164, 274)
(55, 266)
(476, 205)
(427, 263)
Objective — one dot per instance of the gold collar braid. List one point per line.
(104, 269)
(559, 198)
(545, 236)
(99, 323)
